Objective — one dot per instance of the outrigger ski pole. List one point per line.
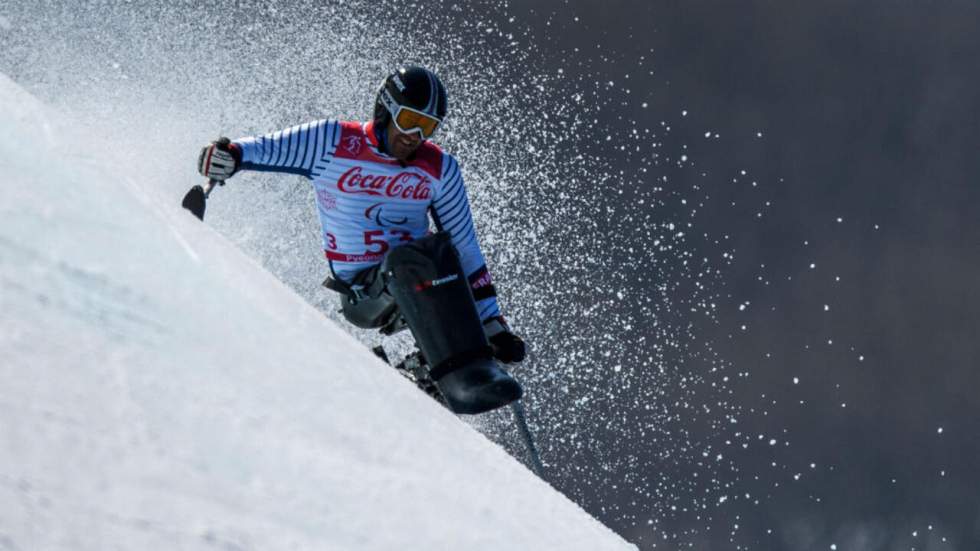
(195, 200)
(532, 451)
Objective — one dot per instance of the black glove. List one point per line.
(507, 347)
(219, 160)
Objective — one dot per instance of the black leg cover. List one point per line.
(426, 279)
(427, 282)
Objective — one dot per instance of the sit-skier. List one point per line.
(377, 184)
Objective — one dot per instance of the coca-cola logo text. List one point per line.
(406, 185)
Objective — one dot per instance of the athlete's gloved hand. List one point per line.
(507, 347)
(219, 160)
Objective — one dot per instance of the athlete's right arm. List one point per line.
(294, 150)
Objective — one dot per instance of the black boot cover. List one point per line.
(427, 282)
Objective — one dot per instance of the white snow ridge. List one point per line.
(159, 390)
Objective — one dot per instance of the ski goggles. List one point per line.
(408, 120)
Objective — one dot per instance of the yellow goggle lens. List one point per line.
(410, 120)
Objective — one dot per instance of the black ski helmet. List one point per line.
(414, 87)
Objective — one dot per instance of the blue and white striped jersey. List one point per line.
(369, 202)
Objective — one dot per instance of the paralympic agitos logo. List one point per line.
(406, 185)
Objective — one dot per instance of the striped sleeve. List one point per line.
(451, 213)
(294, 150)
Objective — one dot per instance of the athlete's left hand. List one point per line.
(507, 347)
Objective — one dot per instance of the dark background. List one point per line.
(796, 371)
(868, 113)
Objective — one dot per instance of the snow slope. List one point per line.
(159, 390)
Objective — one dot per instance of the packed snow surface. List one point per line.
(160, 390)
